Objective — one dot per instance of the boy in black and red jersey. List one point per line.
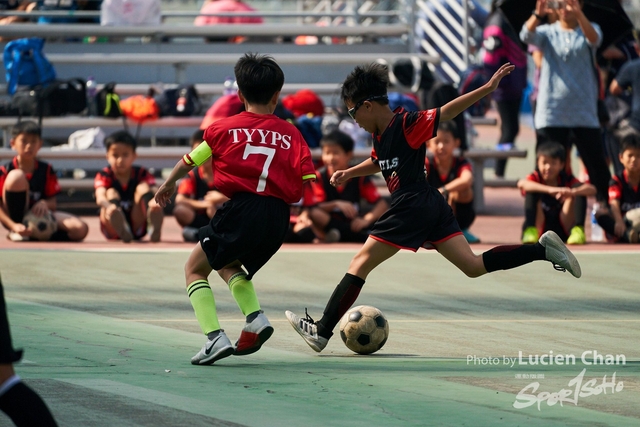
(419, 216)
(452, 175)
(622, 220)
(197, 199)
(30, 185)
(337, 212)
(261, 163)
(553, 197)
(124, 192)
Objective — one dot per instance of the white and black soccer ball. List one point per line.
(42, 227)
(364, 329)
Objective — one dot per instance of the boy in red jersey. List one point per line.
(261, 163)
(30, 185)
(124, 192)
(197, 199)
(419, 216)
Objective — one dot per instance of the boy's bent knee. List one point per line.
(16, 181)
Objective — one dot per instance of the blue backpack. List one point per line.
(25, 64)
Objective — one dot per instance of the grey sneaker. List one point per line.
(561, 257)
(308, 330)
(216, 349)
(253, 335)
(190, 234)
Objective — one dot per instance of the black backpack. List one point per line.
(181, 101)
(107, 101)
(57, 98)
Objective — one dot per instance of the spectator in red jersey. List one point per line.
(338, 215)
(28, 185)
(226, 6)
(197, 199)
(261, 163)
(124, 192)
(452, 175)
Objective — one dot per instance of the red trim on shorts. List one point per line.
(431, 245)
(392, 244)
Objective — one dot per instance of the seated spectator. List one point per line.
(124, 192)
(197, 199)
(28, 185)
(226, 6)
(622, 220)
(18, 6)
(452, 175)
(300, 225)
(130, 12)
(337, 216)
(554, 199)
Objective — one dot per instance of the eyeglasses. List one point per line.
(352, 111)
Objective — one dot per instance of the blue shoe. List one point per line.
(470, 237)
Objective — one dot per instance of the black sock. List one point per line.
(25, 407)
(16, 204)
(511, 256)
(530, 209)
(343, 297)
(213, 334)
(580, 210)
(60, 236)
(608, 224)
(252, 316)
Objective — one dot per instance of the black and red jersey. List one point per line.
(551, 205)
(400, 150)
(43, 181)
(194, 185)
(107, 179)
(260, 154)
(436, 180)
(353, 191)
(625, 194)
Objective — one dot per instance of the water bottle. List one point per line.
(229, 86)
(596, 231)
(181, 102)
(92, 89)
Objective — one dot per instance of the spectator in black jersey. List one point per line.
(622, 221)
(418, 216)
(197, 199)
(337, 215)
(124, 192)
(554, 198)
(28, 185)
(452, 175)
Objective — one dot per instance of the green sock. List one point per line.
(204, 305)
(244, 294)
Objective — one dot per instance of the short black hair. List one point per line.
(197, 137)
(259, 77)
(27, 127)
(555, 150)
(120, 137)
(630, 142)
(451, 127)
(337, 137)
(366, 81)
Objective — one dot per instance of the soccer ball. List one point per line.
(364, 329)
(42, 227)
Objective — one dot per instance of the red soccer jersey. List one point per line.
(261, 154)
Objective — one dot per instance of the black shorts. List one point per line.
(248, 228)
(7, 353)
(419, 216)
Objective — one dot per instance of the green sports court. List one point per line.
(108, 335)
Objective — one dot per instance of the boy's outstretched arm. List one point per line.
(365, 168)
(451, 109)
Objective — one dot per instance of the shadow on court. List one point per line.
(108, 337)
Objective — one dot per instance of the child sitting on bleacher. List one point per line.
(337, 212)
(622, 220)
(124, 192)
(197, 199)
(28, 185)
(554, 199)
(452, 175)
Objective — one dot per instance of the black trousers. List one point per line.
(509, 112)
